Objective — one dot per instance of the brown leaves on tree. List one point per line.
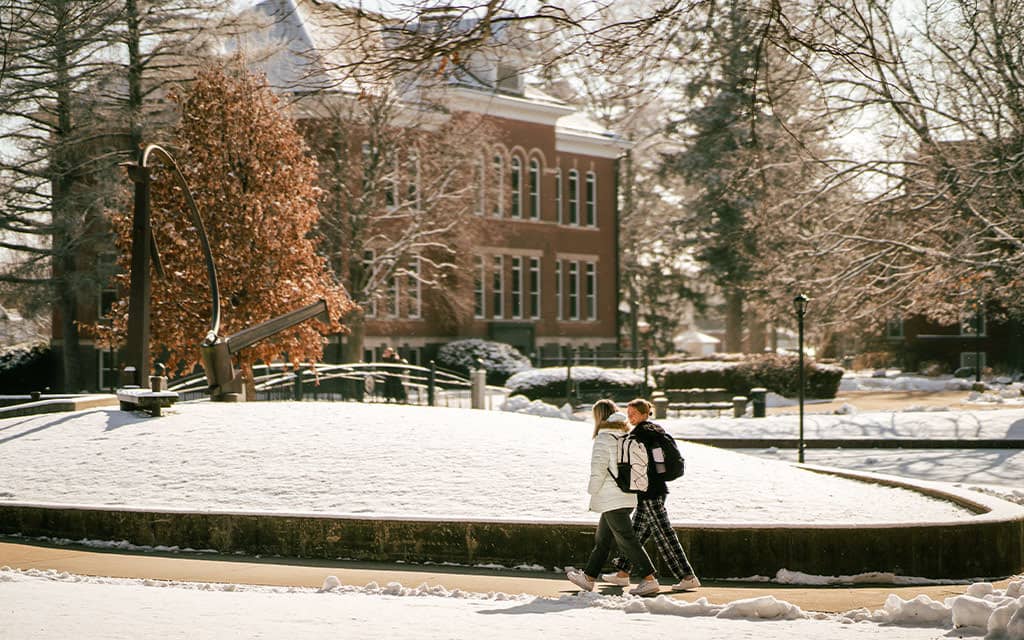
(254, 183)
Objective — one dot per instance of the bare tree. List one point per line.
(403, 192)
(937, 225)
(82, 81)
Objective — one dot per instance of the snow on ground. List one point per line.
(399, 461)
(982, 424)
(46, 604)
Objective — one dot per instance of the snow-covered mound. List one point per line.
(398, 461)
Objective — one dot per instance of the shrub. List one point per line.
(590, 383)
(499, 359)
(26, 368)
(777, 373)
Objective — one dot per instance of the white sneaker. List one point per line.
(580, 579)
(615, 578)
(687, 584)
(646, 588)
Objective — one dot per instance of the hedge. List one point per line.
(24, 369)
(501, 360)
(777, 373)
(590, 383)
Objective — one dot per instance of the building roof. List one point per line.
(317, 47)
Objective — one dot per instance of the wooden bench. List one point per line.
(694, 399)
(152, 402)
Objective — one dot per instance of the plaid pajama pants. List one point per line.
(652, 519)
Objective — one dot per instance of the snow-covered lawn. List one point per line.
(401, 461)
(42, 605)
(982, 424)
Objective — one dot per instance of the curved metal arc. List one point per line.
(211, 268)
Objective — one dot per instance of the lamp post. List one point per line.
(800, 305)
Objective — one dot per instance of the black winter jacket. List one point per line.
(645, 433)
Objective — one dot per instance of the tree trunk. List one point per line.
(733, 321)
(757, 330)
(352, 348)
(71, 367)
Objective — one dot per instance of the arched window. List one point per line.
(480, 176)
(574, 197)
(499, 180)
(590, 200)
(534, 189)
(558, 195)
(517, 187)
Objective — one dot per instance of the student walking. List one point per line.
(614, 505)
(651, 518)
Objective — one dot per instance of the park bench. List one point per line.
(695, 399)
(152, 400)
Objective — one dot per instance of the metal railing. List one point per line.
(377, 382)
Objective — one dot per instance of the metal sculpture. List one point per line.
(223, 379)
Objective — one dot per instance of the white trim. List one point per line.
(517, 284)
(506, 106)
(498, 292)
(531, 262)
(480, 265)
(583, 144)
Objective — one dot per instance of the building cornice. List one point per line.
(506, 106)
(588, 144)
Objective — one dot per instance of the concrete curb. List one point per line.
(989, 545)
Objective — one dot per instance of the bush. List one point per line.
(26, 368)
(591, 383)
(499, 359)
(777, 373)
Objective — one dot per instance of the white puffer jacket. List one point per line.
(605, 495)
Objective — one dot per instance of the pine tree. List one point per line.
(254, 183)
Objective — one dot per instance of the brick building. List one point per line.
(547, 277)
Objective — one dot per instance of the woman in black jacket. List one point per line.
(650, 517)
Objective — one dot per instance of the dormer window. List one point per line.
(508, 79)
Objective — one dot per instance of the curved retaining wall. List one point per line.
(989, 545)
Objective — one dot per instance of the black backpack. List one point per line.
(666, 461)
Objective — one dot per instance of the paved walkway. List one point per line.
(311, 573)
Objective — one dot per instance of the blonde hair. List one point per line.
(602, 409)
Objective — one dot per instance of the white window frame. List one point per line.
(480, 289)
(391, 183)
(481, 186)
(115, 373)
(535, 288)
(590, 199)
(498, 166)
(590, 289)
(516, 293)
(516, 184)
(533, 184)
(574, 198)
(574, 290)
(498, 287)
(415, 288)
(559, 290)
(559, 213)
(412, 187)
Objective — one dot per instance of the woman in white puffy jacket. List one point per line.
(615, 506)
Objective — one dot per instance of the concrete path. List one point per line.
(311, 573)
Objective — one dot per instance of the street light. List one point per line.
(800, 305)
